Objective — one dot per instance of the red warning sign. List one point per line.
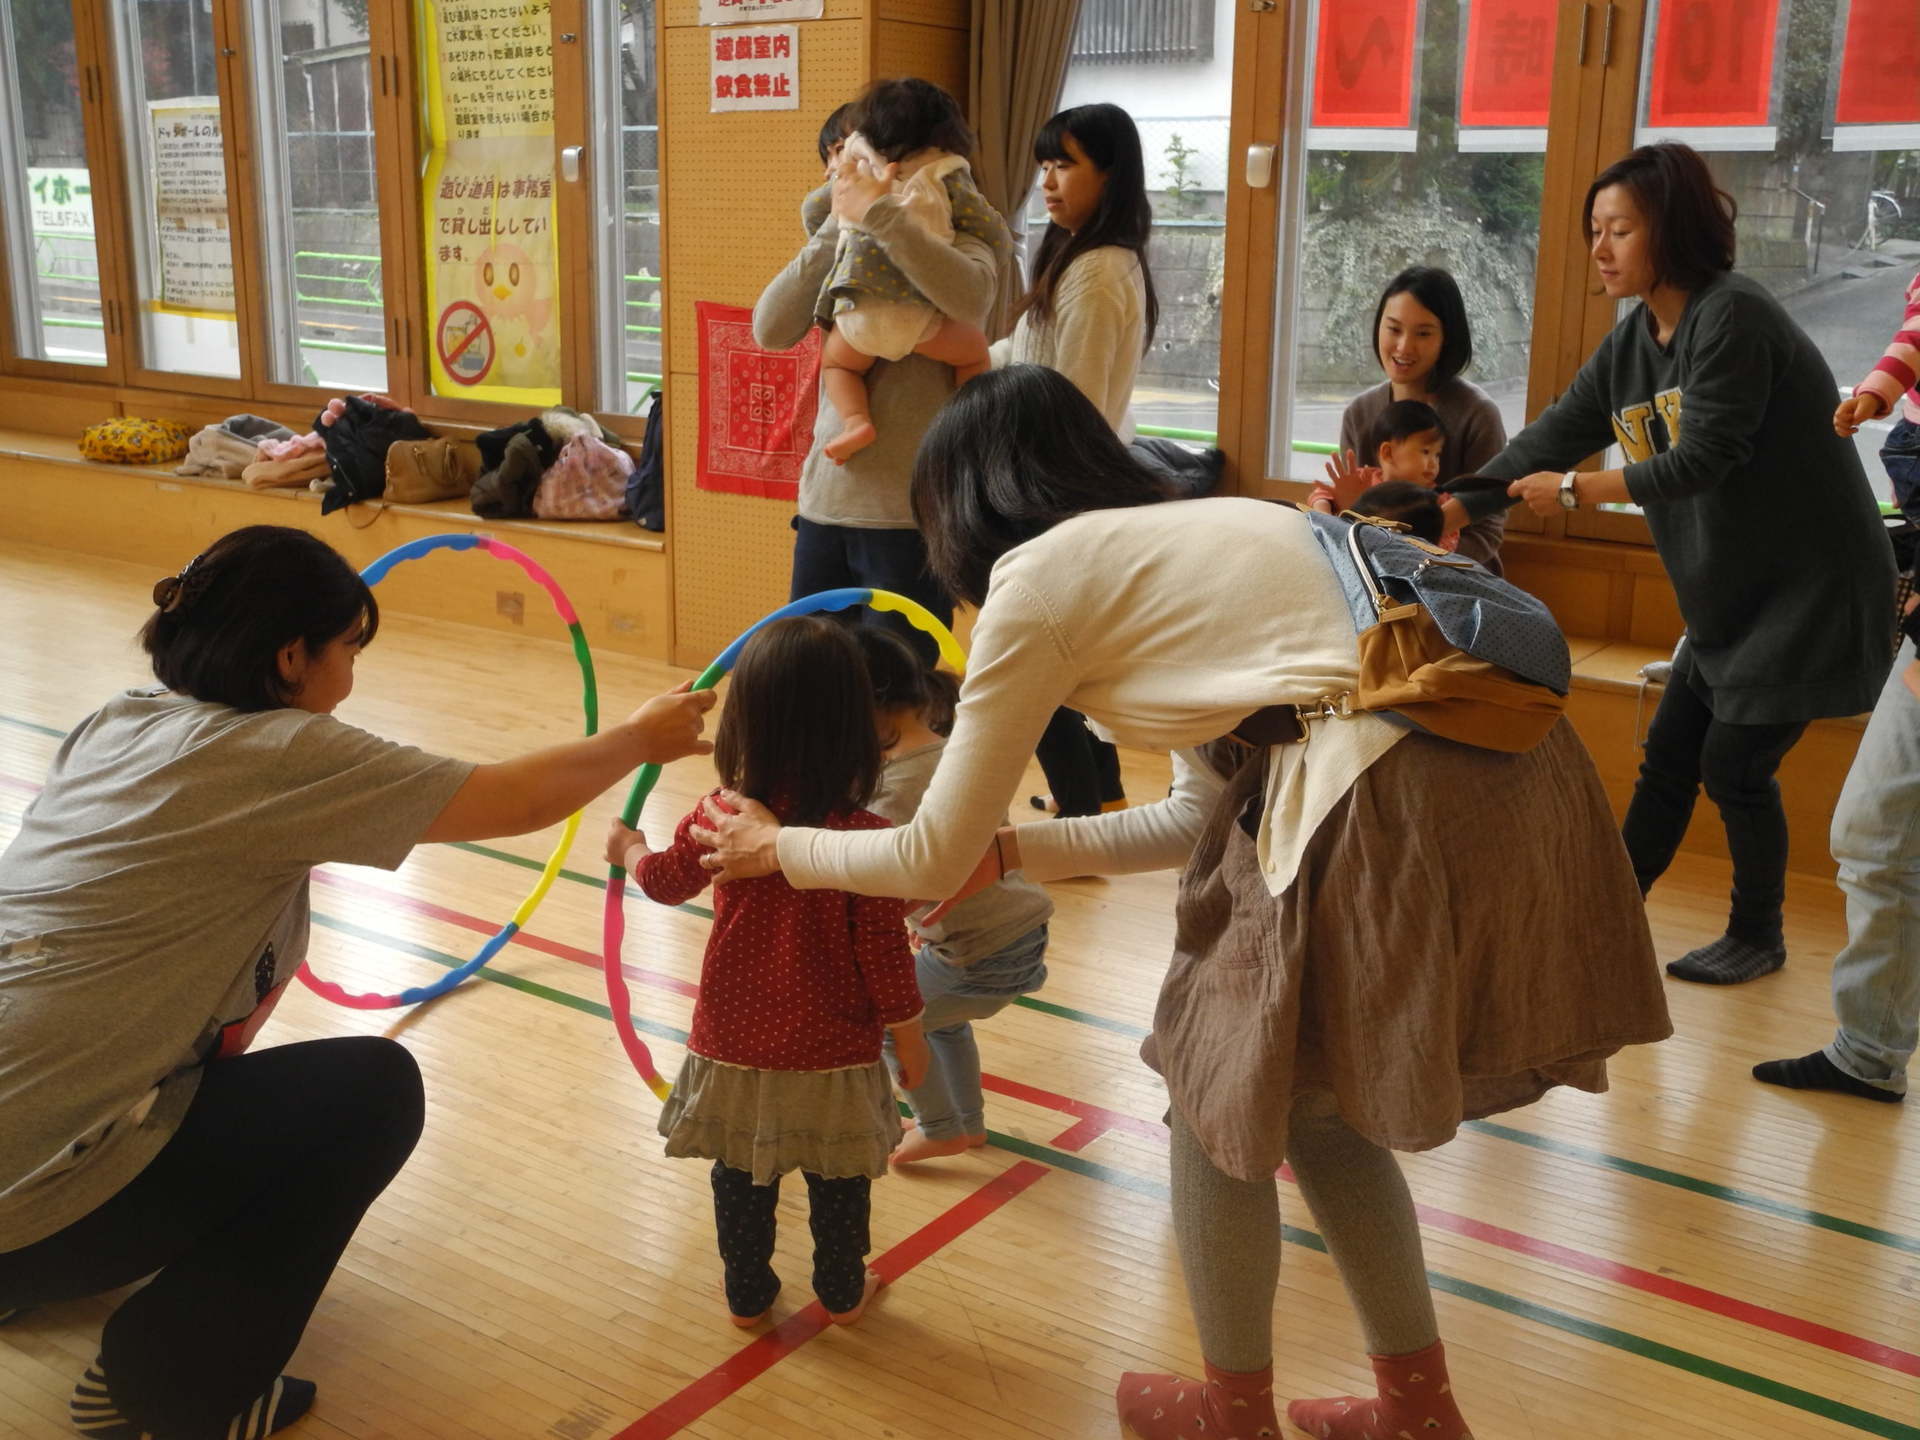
(464, 339)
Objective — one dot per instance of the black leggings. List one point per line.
(1082, 770)
(1686, 746)
(743, 1216)
(244, 1214)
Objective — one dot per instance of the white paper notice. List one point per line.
(755, 69)
(190, 206)
(742, 12)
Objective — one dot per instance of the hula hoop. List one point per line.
(590, 707)
(614, 928)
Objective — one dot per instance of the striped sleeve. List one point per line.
(1898, 371)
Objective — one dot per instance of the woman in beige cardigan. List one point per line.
(1355, 971)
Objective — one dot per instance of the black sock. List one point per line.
(1728, 961)
(95, 1415)
(1817, 1072)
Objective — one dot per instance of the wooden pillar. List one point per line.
(731, 219)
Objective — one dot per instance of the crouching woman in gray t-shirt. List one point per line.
(153, 908)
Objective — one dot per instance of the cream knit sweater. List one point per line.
(1166, 625)
(1096, 336)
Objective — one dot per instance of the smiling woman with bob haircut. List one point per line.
(1762, 516)
(1332, 910)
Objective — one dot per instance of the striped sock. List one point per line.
(95, 1415)
(93, 1412)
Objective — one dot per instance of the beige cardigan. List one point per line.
(1097, 334)
(1166, 625)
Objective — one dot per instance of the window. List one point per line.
(319, 196)
(1113, 32)
(627, 203)
(1178, 94)
(174, 139)
(1424, 133)
(46, 187)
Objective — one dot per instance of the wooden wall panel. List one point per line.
(933, 52)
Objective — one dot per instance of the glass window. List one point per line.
(318, 194)
(177, 186)
(1423, 143)
(1808, 114)
(46, 187)
(1170, 62)
(627, 201)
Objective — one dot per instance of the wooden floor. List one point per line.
(1690, 1255)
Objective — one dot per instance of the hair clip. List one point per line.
(171, 593)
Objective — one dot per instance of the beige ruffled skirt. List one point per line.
(833, 1123)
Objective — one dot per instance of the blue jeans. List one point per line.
(1876, 843)
(1901, 456)
(949, 1102)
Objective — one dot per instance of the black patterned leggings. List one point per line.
(743, 1216)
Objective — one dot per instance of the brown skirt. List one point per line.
(1464, 933)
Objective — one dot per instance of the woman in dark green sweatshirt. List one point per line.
(1761, 514)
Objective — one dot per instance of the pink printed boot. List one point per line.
(1415, 1402)
(1225, 1406)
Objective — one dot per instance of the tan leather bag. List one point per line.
(419, 471)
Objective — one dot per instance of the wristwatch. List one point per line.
(1569, 497)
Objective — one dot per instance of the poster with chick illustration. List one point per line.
(492, 254)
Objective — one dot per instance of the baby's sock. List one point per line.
(1729, 961)
(1415, 1398)
(1817, 1072)
(1225, 1406)
(96, 1416)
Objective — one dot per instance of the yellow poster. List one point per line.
(492, 262)
(193, 249)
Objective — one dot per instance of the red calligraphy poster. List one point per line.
(1507, 75)
(1713, 63)
(1880, 64)
(1363, 70)
(757, 407)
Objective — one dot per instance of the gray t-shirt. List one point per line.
(152, 909)
(982, 923)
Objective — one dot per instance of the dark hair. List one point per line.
(898, 117)
(1011, 455)
(796, 733)
(1689, 219)
(1414, 506)
(901, 680)
(224, 619)
(1107, 136)
(1399, 420)
(1436, 289)
(835, 129)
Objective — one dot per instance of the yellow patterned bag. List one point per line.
(131, 441)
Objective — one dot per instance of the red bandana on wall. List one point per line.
(756, 406)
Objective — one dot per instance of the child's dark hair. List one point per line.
(1689, 219)
(902, 681)
(835, 129)
(796, 733)
(224, 619)
(1108, 137)
(1437, 290)
(1414, 506)
(901, 116)
(1403, 418)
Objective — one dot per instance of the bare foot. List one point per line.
(854, 437)
(917, 1146)
(848, 1317)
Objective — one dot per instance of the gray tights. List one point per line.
(1229, 1236)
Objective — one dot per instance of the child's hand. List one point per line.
(622, 842)
(1350, 479)
(910, 1053)
(1855, 411)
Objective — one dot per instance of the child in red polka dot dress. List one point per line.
(783, 1069)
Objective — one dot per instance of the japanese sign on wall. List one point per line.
(735, 12)
(61, 200)
(492, 252)
(756, 69)
(194, 249)
(1363, 74)
(1879, 77)
(1713, 67)
(1506, 72)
